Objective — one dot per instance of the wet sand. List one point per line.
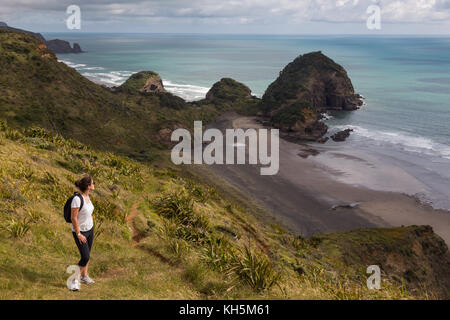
(309, 184)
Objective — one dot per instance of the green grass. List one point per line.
(192, 243)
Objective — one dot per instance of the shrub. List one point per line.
(13, 134)
(123, 167)
(184, 222)
(34, 216)
(106, 210)
(177, 247)
(18, 228)
(23, 172)
(3, 125)
(176, 205)
(218, 254)
(10, 191)
(200, 193)
(254, 269)
(173, 229)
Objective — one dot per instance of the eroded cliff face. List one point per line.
(308, 86)
(144, 81)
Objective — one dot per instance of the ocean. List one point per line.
(405, 81)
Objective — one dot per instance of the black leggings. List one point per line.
(84, 248)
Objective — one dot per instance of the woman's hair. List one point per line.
(83, 183)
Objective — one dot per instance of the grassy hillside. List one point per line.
(39, 90)
(158, 233)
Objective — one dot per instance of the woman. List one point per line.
(83, 226)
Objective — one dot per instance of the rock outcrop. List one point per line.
(153, 84)
(341, 135)
(228, 89)
(62, 46)
(149, 86)
(229, 94)
(308, 86)
(56, 45)
(143, 81)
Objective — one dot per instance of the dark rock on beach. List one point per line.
(341, 135)
(323, 140)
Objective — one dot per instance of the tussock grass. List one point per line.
(18, 228)
(255, 269)
(218, 254)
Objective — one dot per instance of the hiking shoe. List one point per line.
(75, 286)
(87, 280)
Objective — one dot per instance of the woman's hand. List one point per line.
(82, 238)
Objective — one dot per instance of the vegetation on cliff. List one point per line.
(231, 95)
(39, 90)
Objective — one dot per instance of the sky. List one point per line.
(233, 16)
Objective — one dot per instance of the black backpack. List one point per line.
(67, 207)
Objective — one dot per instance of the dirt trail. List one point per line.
(136, 236)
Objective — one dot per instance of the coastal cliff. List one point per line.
(56, 45)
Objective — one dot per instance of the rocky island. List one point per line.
(62, 46)
(308, 86)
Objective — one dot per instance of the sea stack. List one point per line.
(62, 46)
(308, 86)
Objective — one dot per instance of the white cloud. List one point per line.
(275, 12)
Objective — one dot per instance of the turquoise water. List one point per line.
(405, 80)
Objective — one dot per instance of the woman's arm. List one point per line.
(74, 217)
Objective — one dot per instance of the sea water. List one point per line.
(405, 81)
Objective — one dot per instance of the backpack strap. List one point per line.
(81, 198)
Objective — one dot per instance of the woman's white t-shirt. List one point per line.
(85, 221)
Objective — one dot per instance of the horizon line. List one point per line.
(254, 34)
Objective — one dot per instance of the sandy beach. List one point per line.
(314, 185)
